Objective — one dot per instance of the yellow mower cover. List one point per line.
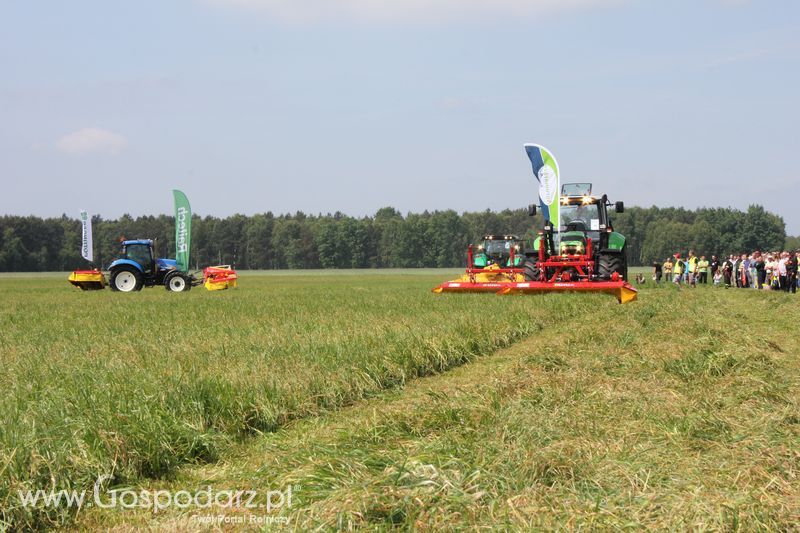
(88, 280)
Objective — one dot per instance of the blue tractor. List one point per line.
(138, 267)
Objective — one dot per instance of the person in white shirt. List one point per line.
(770, 266)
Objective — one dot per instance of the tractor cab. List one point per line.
(581, 216)
(579, 219)
(140, 252)
(497, 250)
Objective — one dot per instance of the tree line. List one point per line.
(385, 239)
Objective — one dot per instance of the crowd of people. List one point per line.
(771, 271)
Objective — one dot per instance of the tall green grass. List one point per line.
(679, 412)
(135, 385)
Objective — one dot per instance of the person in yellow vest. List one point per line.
(691, 264)
(702, 269)
(677, 270)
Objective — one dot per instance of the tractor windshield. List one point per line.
(498, 247)
(579, 217)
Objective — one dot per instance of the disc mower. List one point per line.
(217, 278)
(88, 280)
(497, 260)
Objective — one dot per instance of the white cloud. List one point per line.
(408, 10)
(91, 140)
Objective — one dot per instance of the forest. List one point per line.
(387, 239)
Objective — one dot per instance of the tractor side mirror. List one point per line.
(532, 210)
(619, 207)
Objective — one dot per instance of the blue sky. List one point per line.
(351, 105)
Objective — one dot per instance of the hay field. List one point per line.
(389, 406)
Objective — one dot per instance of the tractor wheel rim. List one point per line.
(125, 281)
(177, 284)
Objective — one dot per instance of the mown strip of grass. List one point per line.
(134, 385)
(677, 412)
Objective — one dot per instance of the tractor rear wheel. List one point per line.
(177, 282)
(610, 262)
(531, 271)
(126, 279)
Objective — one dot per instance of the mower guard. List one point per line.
(221, 277)
(469, 286)
(88, 280)
(623, 290)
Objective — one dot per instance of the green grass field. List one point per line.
(389, 406)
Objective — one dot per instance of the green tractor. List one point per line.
(497, 250)
(583, 219)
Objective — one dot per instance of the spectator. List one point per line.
(797, 258)
(782, 271)
(744, 271)
(759, 267)
(657, 269)
(771, 267)
(727, 270)
(749, 272)
(791, 273)
(677, 270)
(702, 270)
(691, 268)
(714, 266)
(668, 270)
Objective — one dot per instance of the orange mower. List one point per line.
(216, 278)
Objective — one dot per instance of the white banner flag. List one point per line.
(86, 243)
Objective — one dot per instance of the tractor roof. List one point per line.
(137, 241)
(577, 193)
(576, 189)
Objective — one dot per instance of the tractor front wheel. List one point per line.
(611, 262)
(177, 282)
(126, 279)
(531, 271)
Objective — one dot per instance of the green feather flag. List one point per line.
(183, 230)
